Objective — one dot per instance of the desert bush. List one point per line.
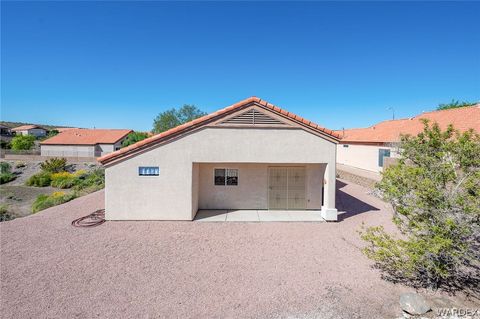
(54, 165)
(22, 142)
(435, 193)
(66, 179)
(41, 179)
(5, 214)
(91, 181)
(5, 167)
(56, 198)
(6, 173)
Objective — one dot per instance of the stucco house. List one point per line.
(367, 148)
(76, 142)
(250, 155)
(34, 130)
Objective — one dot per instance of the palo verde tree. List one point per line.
(435, 193)
(173, 117)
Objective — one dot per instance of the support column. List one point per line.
(329, 212)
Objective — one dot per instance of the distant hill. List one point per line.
(16, 124)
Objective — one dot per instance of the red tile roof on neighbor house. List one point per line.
(80, 136)
(462, 119)
(213, 116)
(26, 127)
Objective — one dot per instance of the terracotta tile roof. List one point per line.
(207, 118)
(80, 136)
(26, 127)
(462, 119)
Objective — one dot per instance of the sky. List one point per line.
(340, 64)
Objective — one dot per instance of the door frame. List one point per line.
(268, 185)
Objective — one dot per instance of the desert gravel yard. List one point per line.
(150, 269)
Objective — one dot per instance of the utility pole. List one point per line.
(393, 112)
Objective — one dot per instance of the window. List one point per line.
(382, 153)
(148, 171)
(226, 176)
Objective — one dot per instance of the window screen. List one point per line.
(224, 176)
(381, 154)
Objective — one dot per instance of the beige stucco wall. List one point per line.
(170, 196)
(361, 156)
(252, 189)
(68, 150)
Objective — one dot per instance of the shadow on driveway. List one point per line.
(348, 205)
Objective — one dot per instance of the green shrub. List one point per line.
(23, 142)
(56, 198)
(6, 177)
(6, 173)
(41, 179)
(5, 214)
(54, 165)
(434, 190)
(91, 182)
(5, 167)
(66, 179)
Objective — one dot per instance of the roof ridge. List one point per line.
(131, 148)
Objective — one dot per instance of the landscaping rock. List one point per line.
(414, 304)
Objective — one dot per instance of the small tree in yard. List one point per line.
(435, 193)
(23, 142)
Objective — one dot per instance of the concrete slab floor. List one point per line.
(241, 215)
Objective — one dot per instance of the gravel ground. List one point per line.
(194, 270)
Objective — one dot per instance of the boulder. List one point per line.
(414, 304)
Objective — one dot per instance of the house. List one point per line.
(250, 155)
(34, 130)
(5, 130)
(367, 148)
(84, 142)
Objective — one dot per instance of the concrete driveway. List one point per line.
(50, 269)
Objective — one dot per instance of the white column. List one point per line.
(329, 212)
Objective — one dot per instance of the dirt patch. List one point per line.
(18, 197)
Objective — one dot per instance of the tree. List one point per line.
(22, 142)
(52, 133)
(434, 190)
(173, 117)
(133, 138)
(454, 104)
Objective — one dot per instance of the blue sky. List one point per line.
(118, 64)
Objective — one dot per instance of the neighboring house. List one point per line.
(34, 130)
(250, 155)
(5, 130)
(83, 142)
(367, 148)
